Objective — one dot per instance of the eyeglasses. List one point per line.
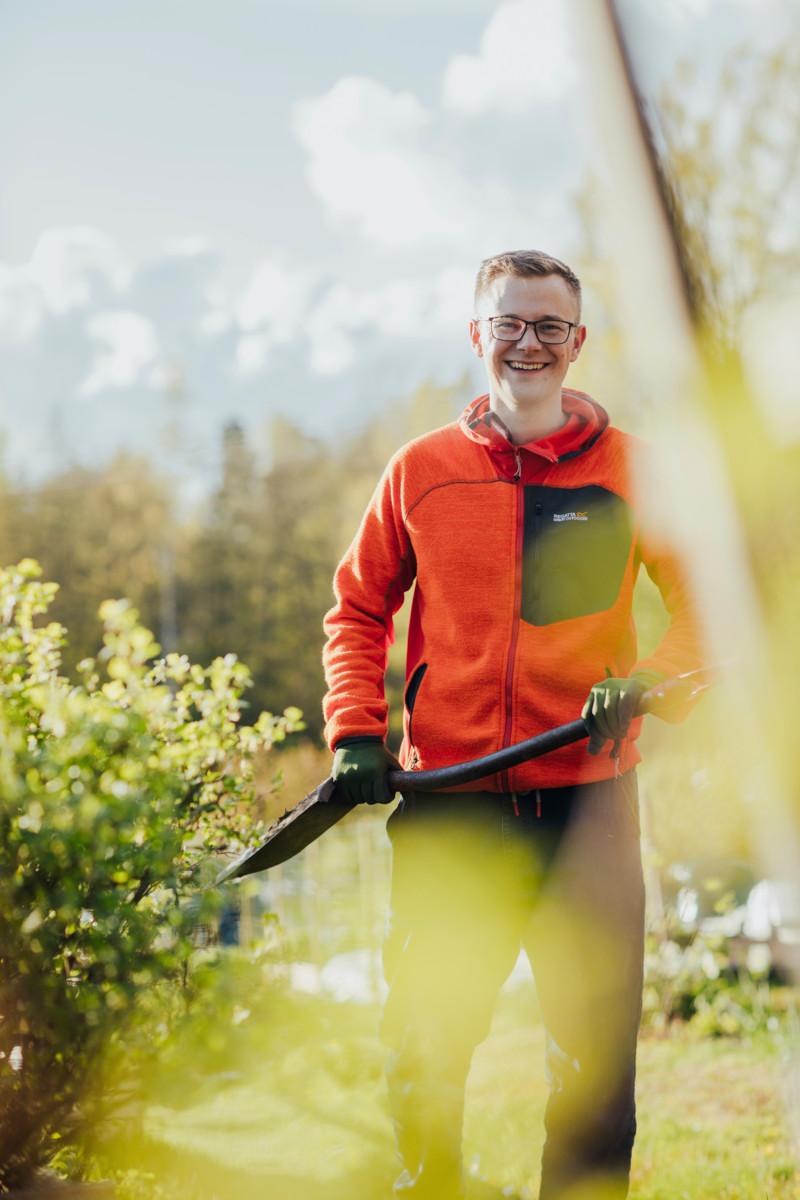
(548, 331)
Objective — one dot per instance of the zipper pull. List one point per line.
(538, 803)
(518, 466)
(514, 802)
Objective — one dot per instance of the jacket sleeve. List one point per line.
(369, 586)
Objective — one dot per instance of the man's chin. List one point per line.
(530, 395)
(531, 383)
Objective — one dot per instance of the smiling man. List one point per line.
(520, 528)
(527, 357)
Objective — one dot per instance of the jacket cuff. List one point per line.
(356, 740)
(649, 677)
(674, 706)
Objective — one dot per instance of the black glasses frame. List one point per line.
(535, 325)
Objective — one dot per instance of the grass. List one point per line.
(299, 1112)
(713, 1122)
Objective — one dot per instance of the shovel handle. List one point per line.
(553, 739)
(489, 764)
(322, 808)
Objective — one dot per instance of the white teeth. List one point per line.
(522, 366)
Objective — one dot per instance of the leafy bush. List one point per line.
(694, 980)
(114, 793)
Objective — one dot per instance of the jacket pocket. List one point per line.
(411, 695)
(576, 547)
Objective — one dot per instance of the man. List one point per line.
(519, 526)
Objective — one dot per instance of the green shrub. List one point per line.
(694, 980)
(114, 794)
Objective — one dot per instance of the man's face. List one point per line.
(526, 373)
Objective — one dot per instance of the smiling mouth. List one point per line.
(516, 365)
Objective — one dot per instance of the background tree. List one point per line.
(248, 571)
(733, 174)
(99, 533)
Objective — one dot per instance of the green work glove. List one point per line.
(359, 769)
(611, 706)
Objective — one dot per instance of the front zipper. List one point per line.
(410, 700)
(537, 531)
(512, 650)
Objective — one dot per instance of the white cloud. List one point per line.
(696, 10)
(252, 352)
(276, 296)
(191, 245)
(451, 297)
(369, 163)
(70, 268)
(332, 353)
(218, 319)
(341, 346)
(427, 309)
(21, 305)
(405, 178)
(273, 309)
(343, 312)
(131, 346)
(525, 60)
(70, 265)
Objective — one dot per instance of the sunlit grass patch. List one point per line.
(711, 1121)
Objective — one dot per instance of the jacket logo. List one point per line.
(571, 516)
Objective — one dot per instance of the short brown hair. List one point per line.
(522, 263)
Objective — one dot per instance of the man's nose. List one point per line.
(529, 337)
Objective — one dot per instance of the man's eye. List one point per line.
(546, 327)
(507, 326)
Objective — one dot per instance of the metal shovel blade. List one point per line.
(296, 829)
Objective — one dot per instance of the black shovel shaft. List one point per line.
(323, 807)
(535, 747)
(489, 764)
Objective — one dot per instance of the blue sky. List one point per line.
(152, 118)
(280, 204)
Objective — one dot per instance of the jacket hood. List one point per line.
(586, 420)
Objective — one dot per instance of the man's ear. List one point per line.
(577, 342)
(475, 337)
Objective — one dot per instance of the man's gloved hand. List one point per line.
(359, 769)
(611, 706)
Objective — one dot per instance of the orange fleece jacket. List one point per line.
(525, 559)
